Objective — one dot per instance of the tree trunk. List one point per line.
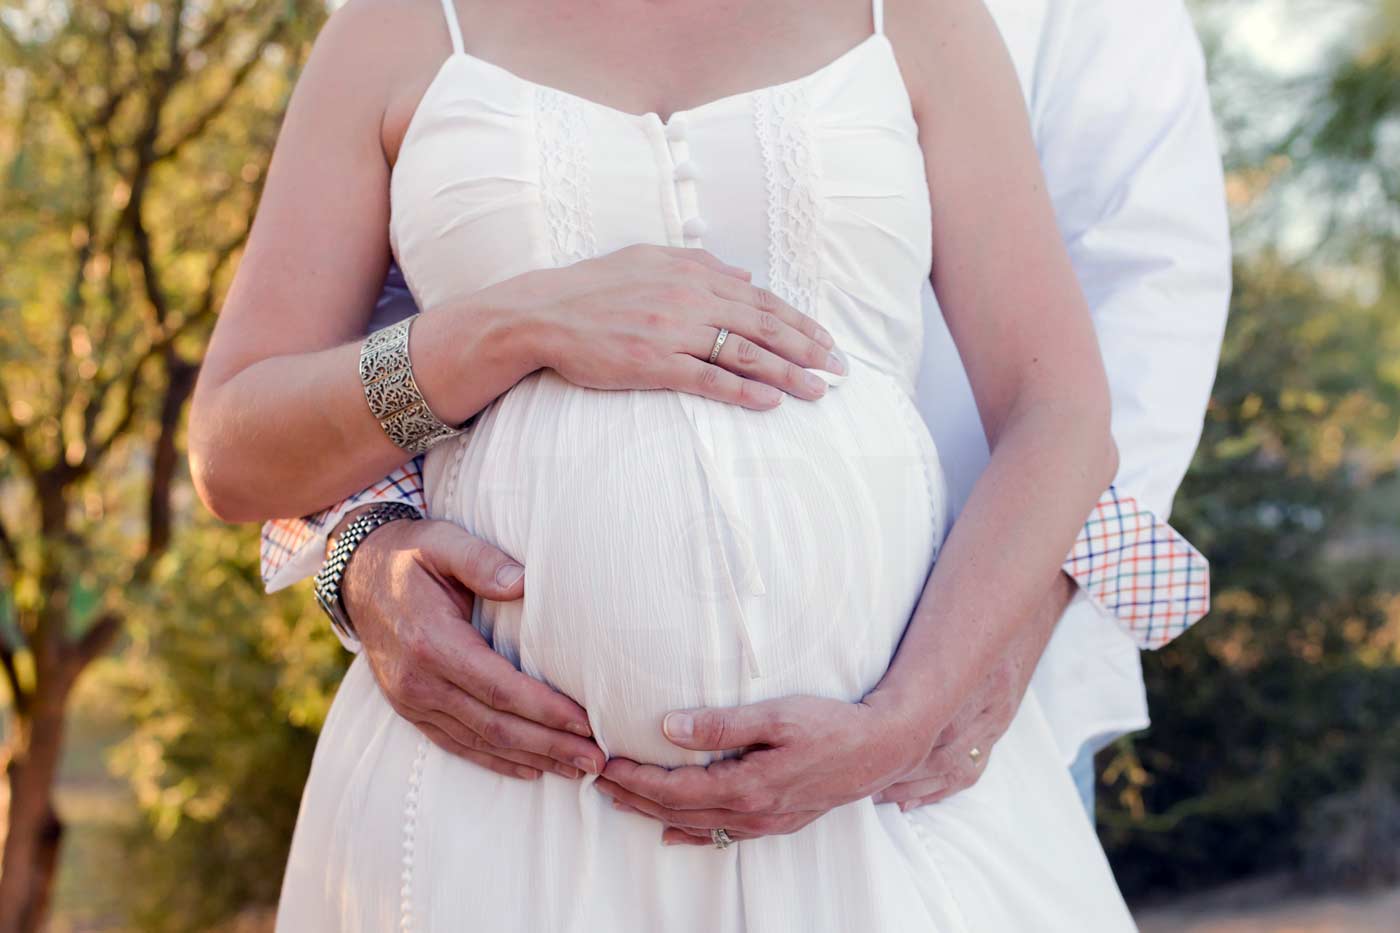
(32, 841)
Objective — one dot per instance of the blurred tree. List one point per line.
(226, 689)
(1288, 695)
(133, 141)
(1276, 741)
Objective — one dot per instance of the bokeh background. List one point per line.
(167, 709)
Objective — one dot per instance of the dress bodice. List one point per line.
(816, 185)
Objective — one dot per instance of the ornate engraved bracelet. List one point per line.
(386, 372)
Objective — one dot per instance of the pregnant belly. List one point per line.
(681, 552)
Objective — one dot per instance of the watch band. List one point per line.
(328, 592)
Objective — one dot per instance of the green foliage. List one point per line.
(1286, 701)
(226, 689)
(1276, 736)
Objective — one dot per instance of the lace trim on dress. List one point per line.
(790, 171)
(564, 176)
(410, 829)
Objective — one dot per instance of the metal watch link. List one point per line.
(333, 570)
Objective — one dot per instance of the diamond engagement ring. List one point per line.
(721, 837)
(714, 353)
(976, 755)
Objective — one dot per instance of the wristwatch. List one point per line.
(328, 580)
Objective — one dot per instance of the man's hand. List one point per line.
(984, 717)
(775, 789)
(810, 755)
(408, 591)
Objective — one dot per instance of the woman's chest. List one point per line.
(816, 186)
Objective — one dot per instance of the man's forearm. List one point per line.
(293, 549)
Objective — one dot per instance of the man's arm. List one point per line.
(293, 548)
(1123, 123)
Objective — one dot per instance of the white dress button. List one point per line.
(675, 129)
(694, 227)
(686, 171)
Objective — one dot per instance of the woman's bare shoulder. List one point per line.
(378, 56)
(944, 46)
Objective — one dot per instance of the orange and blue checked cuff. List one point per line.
(1133, 565)
(303, 540)
(1140, 570)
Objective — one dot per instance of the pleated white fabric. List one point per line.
(681, 552)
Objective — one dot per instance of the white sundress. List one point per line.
(681, 552)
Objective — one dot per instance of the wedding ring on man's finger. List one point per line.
(975, 754)
(721, 837)
(719, 344)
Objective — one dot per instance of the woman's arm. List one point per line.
(279, 424)
(1022, 326)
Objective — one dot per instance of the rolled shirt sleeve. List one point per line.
(1123, 122)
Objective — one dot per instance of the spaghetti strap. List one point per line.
(877, 10)
(449, 9)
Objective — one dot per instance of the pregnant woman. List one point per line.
(671, 257)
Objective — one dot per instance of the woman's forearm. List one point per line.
(289, 434)
(1048, 467)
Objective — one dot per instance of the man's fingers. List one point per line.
(503, 732)
(725, 729)
(482, 568)
(493, 680)
(450, 745)
(512, 760)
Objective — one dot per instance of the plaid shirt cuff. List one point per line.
(1131, 564)
(294, 548)
(1140, 570)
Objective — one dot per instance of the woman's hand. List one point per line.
(647, 317)
(811, 756)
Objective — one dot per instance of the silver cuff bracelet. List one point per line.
(386, 372)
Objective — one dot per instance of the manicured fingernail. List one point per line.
(528, 774)
(814, 384)
(586, 764)
(579, 728)
(508, 574)
(678, 725)
(824, 338)
(836, 362)
(570, 773)
(770, 396)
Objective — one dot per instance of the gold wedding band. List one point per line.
(719, 342)
(976, 755)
